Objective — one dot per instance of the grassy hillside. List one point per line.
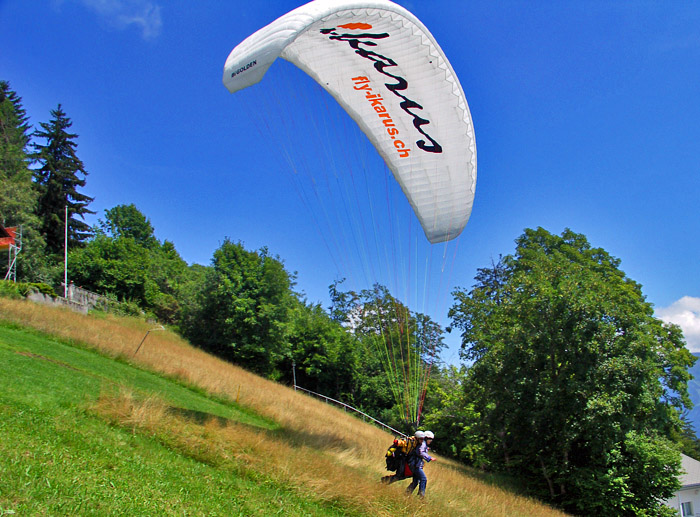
(86, 427)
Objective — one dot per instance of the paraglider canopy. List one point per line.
(387, 71)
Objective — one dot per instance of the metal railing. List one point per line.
(347, 406)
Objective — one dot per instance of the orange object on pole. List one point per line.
(7, 237)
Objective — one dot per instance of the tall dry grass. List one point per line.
(321, 448)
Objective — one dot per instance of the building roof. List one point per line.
(692, 471)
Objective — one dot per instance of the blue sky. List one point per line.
(587, 116)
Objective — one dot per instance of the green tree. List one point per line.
(451, 415)
(128, 221)
(243, 310)
(168, 275)
(16, 194)
(126, 260)
(403, 344)
(190, 297)
(111, 266)
(578, 388)
(325, 354)
(18, 198)
(59, 176)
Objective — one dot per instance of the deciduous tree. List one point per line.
(576, 383)
(325, 354)
(125, 259)
(403, 343)
(244, 308)
(128, 221)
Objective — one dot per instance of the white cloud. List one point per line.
(686, 314)
(123, 14)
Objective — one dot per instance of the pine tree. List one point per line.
(15, 177)
(14, 124)
(18, 198)
(60, 175)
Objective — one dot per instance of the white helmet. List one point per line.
(429, 435)
(419, 434)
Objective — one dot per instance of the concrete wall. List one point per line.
(82, 296)
(58, 301)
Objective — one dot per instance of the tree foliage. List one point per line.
(575, 382)
(18, 198)
(127, 221)
(58, 178)
(244, 308)
(452, 416)
(16, 195)
(129, 263)
(402, 343)
(325, 355)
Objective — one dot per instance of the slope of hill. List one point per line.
(86, 426)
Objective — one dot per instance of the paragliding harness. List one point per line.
(401, 457)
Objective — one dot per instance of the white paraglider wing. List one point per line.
(387, 71)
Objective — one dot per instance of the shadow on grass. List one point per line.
(201, 417)
(293, 437)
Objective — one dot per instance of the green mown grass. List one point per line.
(58, 457)
(66, 373)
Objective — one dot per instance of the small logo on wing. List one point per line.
(356, 26)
